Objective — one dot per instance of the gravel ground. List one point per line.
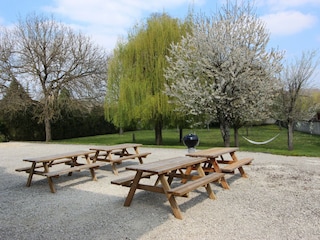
(279, 200)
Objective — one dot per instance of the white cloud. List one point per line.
(114, 12)
(106, 20)
(277, 5)
(288, 22)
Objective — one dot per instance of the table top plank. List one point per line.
(213, 152)
(58, 156)
(116, 147)
(167, 165)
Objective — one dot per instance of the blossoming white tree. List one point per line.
(224, 69)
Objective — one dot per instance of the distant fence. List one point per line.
(308, 127)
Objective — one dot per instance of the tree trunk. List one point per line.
(47, 125)
(225, 132)
(290, 134)
(180, 134)
(158, 132)
(133, 137)
(236, 136)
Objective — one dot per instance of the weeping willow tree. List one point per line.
(136, 82)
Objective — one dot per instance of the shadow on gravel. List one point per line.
(70, 213)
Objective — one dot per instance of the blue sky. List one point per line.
(294, 24)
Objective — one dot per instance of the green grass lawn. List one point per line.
(304, 144)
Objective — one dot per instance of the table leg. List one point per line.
(157, 181)
(171, 176)
(187, 172)
(125, 152)
(140, 160)
(93, 174)
(208, 187)
(224, 183)
(114, 168)
(33, 166)
(233, 156)
(136, 150)
(51, 185)
(173, 203)
(87, 157)
(133, 188)
(46, 167)
(94, 159)
(72, 164)
(242, 172)
(216, 167)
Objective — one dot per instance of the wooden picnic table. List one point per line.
(166, 170)
(115, 154)
(217, 162)
(44, 165)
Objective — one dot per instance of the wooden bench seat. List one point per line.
(118, 160)
(126, 181)
(90, 166)
(229, 168)
(73, 169)
(26, 169)
(192, 185)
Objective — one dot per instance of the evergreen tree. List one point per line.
(17, 109)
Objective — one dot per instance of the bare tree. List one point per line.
(6, 55)
(48, 57)
(224, 69)
(293, 103)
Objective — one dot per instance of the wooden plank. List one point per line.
(117, 147)
(212, 152)
(167, 165)
(27, 169)
(73, 169)
(115, 161)
(192, 185)
(58, 156)
(120, 159)
(229, 168)
(130, 178)
(131, 156)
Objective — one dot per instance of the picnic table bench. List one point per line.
(165, 171)
(122, 153)
(43, 166)
(217, 163)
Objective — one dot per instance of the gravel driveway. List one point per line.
(279, 200)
